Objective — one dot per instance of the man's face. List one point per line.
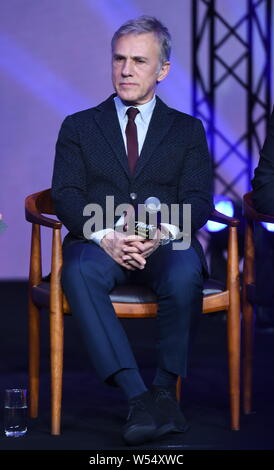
(136, 67)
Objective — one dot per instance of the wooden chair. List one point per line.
(128, 302)
(249, 295)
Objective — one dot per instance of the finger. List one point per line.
(131, 238)
(150, 250)
(139, 245)
(139, 258)
(128, 266)
(146, 253)
(148, 243)
(130, 249)
(138, 262)
(132, 262)
(143, 247)
(135, 264)
(127, 258)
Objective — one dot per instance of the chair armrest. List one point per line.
(34, 216)
(224, 219)
(33, 213)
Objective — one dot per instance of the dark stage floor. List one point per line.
(94, 413)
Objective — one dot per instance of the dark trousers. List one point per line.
(88, 276)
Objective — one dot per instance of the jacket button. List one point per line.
(133, 196)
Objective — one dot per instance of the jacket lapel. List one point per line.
(108, 122)
(160, 123)
(107, 119)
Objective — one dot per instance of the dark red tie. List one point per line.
(132, 141)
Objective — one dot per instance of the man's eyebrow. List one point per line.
(118, 55)
(121, 56)
(139, 57)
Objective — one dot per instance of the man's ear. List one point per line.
(164, 71)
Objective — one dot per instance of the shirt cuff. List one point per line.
(173, 230)
(96, 237)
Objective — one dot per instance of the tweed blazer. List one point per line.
(91, 163)
(263, 181)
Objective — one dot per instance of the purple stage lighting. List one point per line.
(268, 226)
(225, 206)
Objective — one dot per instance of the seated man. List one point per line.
(263, 199)
(263, 181)
(132, 147)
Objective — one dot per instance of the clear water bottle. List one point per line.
(15, 412)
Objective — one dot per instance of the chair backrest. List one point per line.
(42, 202)
(250, 212)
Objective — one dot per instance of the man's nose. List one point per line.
(127, 69)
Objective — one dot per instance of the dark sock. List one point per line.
(131, 382)
(165, 379)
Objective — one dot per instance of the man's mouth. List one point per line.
(126, 84)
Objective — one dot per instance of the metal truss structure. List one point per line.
(232, 54)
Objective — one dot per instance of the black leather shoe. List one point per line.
(166, 400)
(145, 422)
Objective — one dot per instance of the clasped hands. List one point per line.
(130, 251)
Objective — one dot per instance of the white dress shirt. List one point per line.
(142, 121)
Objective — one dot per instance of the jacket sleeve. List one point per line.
(263, 181)
(196, 182)
(69, 179)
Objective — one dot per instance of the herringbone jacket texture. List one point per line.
(91, 163)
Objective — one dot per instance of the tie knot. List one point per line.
(132, 113)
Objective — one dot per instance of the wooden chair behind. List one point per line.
(251, 217)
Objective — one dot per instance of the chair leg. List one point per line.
(56, 350)
(248, 326)
(248, 318)
(34, 358)
(234, 330)
(34, 322)
(233, 333)
(56, 333)
(178, 388)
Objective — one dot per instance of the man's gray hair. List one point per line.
(146, 24)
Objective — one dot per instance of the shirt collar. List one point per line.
(145, 110)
